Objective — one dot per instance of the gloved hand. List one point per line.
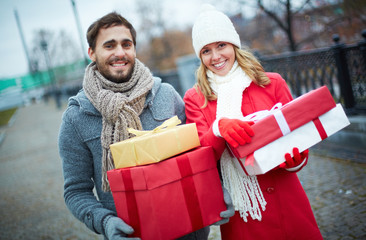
(235, 131)
(296, 160)
(227, 214)
(117, 229)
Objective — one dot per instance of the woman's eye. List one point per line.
(205, 51)
(222, 45)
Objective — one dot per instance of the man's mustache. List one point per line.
(116, 59)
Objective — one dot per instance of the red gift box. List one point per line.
(303, 137)
(169, 199)
(289, 117)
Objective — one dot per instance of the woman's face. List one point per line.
(219, 57)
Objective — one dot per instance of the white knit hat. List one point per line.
(213, 26)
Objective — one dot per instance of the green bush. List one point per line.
(6, 115)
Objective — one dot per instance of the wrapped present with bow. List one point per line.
(148, 147)
(301, 123)
(171, 198)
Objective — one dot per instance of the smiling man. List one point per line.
(119, 92)
(114, 53)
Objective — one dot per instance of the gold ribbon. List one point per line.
(171, 122)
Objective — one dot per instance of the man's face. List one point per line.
(114, 53)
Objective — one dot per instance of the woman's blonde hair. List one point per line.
(246, 60)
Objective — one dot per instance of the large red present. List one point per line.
(286, 119)
(169, 199)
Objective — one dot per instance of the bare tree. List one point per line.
(66, 50)
(282, 13)
(152, 26)
(50, 49)
(56, 54)
(177, 42)
(40, 49)
(152, 22)
(304, 23)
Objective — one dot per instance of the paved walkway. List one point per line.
(31, 184)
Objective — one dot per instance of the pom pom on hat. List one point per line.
(207, 7)
(211, 26)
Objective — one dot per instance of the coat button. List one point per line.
(270, 189)
(88, 215)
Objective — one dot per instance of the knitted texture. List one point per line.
(230, 87)
(213, 26)
(120, 105)
(244, 190)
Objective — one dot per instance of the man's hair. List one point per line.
(110, 20)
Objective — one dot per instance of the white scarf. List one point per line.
(244, 190)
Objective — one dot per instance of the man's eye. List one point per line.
(127, 45)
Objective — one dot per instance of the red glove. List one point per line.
(296, 160)
(235, 131)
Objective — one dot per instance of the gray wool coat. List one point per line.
(81, 153)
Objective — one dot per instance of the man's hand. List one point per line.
(117, 229)
(227, 214)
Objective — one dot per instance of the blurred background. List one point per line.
(43, 52)
(44, 48)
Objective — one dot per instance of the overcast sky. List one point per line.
(58, 14)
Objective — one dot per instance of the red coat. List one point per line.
(288, 213)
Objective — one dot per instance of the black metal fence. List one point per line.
(342, 68)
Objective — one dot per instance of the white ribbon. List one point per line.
(262, 114)
(282, 123)
(276, 112)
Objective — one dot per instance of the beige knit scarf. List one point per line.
(120, 105)
(244, 190)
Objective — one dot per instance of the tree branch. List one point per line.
(273, 16)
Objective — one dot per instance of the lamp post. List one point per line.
(30, 69)
(53, 89)
(44, 47)
(80, 31)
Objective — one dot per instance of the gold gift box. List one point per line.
(154, 146)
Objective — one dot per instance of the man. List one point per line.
(118, 92)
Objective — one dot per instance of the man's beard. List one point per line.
(119, 76)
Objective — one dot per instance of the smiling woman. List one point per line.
(231, 84)
(219, 57)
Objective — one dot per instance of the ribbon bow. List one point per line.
(262, 114)
(280, 119)
(171, 122)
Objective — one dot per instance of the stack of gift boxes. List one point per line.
(165, 185)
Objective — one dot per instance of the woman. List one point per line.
(231, 84)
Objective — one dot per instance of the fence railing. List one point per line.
(342, 68)
(57, 76)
